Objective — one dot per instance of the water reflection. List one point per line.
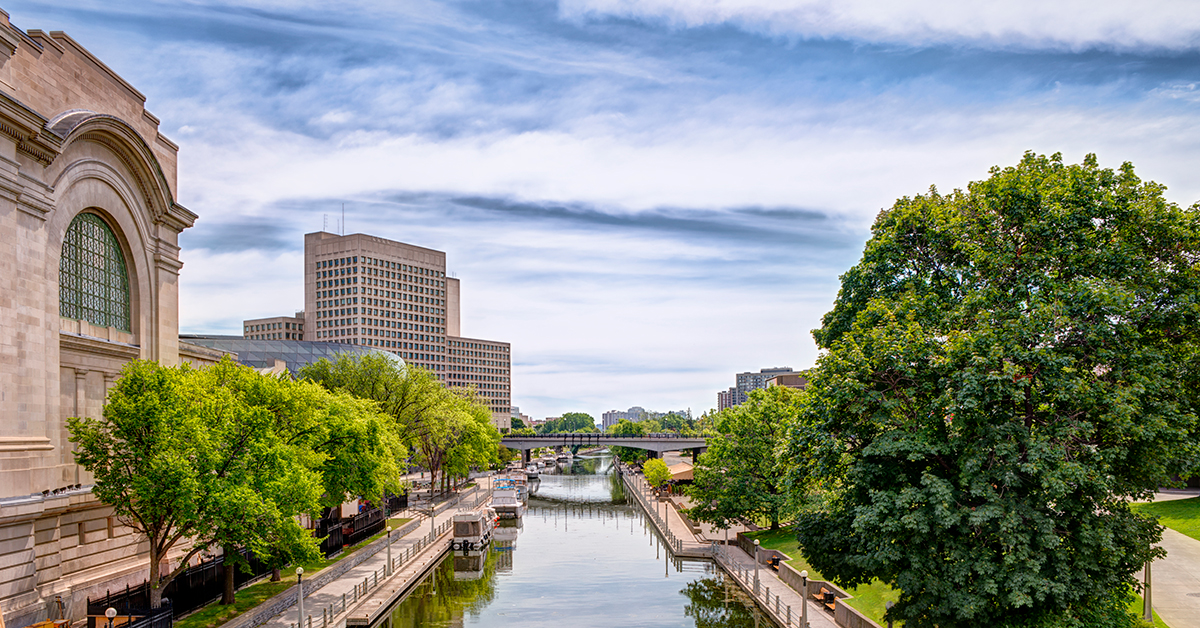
(581, 556)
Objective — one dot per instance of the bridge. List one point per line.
(656, 444)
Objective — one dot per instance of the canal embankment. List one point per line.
(783, 603)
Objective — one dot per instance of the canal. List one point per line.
(582, 556)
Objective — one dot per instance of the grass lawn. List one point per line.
(1181, 515)
(869, 599)
(216, 614)
(1135, 607)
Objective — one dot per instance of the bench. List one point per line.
(827, 598)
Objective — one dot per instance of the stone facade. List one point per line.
(75, 138)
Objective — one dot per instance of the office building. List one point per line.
(370, 291)
(275, 328)
(634, 414)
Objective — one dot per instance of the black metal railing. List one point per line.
(363, 525)
(329, 530)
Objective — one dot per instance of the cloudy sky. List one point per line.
(642, 196)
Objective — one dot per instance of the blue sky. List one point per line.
(643, 197)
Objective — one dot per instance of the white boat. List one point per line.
(531, 472)
(510, 494)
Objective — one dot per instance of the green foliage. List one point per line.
(740, 476)
(569, 422)
(213, 456)
(524, 431)
(656, 471)
(449, 431)
(1002, 371)
(628, 455)
(517, 424)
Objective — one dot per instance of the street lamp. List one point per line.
(804, 599)
(888, 605)
(110, 613)
(756, 544)
(300, 597)
(388, 571)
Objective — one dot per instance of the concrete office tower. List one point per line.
(485, 365)
(366, 290)
(275, 328)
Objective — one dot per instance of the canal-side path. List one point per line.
(412, 556)
(783, 603)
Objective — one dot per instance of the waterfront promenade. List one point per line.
(779, 600)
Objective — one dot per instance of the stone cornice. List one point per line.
(28, 129)
(87, 344)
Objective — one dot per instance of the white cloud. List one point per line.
(1059, 24)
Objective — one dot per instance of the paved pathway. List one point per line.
(1175, 580)
(415, 543)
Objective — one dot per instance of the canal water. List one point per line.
(581, 557)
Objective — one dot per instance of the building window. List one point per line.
(93, 284)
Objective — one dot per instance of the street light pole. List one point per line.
(1147, 607)
(756, 544)
(300, 597)
(388, 571)
(804, 599)
(888, 605)
(110, 613)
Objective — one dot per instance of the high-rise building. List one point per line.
(746, 382)
(274, 328)
(634, 414)
(365, 290)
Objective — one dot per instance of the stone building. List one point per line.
(89, 269)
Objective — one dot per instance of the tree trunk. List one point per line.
(275, 575)
(230, 570)
(155, 587)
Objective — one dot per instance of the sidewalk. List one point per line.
(328, 605)
(1175, 580)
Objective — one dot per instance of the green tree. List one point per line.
(628, 455)
(568, 422)
(182, 456)
(517, 424)
(1003, 371)
(656, 471)
(740, 476)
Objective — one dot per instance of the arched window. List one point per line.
(92, 282)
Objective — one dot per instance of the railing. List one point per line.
(371, 582)
(192, 589)
(364, 525)
(642, 492)
(782, 612)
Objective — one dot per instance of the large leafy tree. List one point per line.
(1005, 368)
(568, 422)
(739, 477)
(186, 456)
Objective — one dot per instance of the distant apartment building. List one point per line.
(365, 290)
(746, 382)
(275, 328)
(634, 414)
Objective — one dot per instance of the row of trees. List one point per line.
(225, 457)
(1005, 369)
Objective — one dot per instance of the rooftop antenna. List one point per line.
(343, 219)
(325, 223)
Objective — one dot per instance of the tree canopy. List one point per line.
(1005, 368)
(740, 477)
(656, 471)
(568, 422)
(220, 457)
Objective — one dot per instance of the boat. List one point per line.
(565, 456)
(473, 531)
(531, 472)
(510, 494)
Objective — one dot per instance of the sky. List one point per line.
(643, 197)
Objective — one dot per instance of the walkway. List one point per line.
(1175, 580)
(783, 603)
(411, 554)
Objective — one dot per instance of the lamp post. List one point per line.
(1147, 607)
(110, 613)
(388, 571)
(888, 605)
(756, 544)
(300, 597)
(804, 599)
